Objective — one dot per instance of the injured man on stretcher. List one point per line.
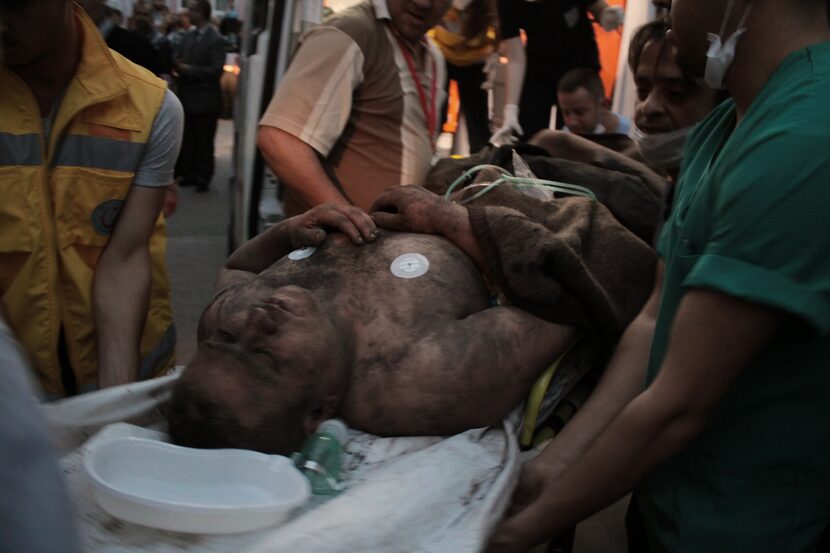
(426, 318)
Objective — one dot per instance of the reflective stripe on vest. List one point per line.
(19, 149)
(94, 152)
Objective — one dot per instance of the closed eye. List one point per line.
(222, 335)
(266, 353)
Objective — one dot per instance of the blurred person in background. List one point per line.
(132, 46)
(230, 27)
(176, 27)
(560, 37)
(467, 36)
(357, 110)
(143, 24)
(91, 138)
(198, 68)
(584, 106)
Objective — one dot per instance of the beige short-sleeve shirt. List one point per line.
(349, 93)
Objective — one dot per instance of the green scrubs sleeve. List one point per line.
(770, 240)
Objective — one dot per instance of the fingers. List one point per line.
(394, 199)
(391, 221)
(350, 220)
(518, 533)
(310, 228)
(302, 237)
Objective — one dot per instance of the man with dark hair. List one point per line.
(584, 105)
(726, 444)
(395, 332)
(198, 70)
(87, 144)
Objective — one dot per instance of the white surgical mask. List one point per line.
(662, 150)
(721, 53)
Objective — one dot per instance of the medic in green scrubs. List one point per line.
(728, 443)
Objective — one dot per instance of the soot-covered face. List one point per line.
(284, 330)
(258, 379)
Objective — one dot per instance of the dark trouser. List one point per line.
(195, 163)
(538, 97)
(473, 102)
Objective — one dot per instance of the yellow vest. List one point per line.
(59, 202)
(458, 49)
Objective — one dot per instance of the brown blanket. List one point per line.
(568, 261)
(633, 197)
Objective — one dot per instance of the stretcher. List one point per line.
(404, 494)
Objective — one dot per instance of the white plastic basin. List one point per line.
(204, 491)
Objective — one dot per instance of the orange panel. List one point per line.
(453, 106)
(609, 51)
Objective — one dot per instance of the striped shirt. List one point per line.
(350, 94)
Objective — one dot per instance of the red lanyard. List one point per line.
(430, 111)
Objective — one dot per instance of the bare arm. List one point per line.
(714, 337)
(308, 229)
(469, 373)
(566, 145)
(298, 167)
(121, 289)
(516, 65)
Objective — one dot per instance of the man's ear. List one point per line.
(325, 409)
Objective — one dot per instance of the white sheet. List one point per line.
(405, 495)
(411, 494)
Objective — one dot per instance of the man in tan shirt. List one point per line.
(358, 109)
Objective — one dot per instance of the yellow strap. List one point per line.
(534, 401)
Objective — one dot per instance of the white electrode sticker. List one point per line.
(302, 253)
(410, 265)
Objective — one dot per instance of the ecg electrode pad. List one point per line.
(410, 265)
(302, 253)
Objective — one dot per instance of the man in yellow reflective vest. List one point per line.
(88, 141)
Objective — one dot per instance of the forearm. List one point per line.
(121, 293)
(516, 65)
(456, 228)
(622, 380)
(262, 251)
(297, 166)
(646, 433)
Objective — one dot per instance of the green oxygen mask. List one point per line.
(321, 457)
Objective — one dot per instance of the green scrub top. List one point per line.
(752, 220)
